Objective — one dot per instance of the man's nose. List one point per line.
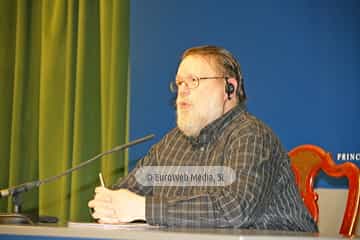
(183, 90)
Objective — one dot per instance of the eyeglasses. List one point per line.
(189, 82)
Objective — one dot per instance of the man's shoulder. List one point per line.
(248, 128)
(247, 124)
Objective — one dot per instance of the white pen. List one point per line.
(101, 180)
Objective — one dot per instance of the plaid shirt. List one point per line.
(263, 195)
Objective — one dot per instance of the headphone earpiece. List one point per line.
(229, 89)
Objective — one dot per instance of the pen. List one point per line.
(101, 180)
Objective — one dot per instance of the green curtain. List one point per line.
(63, 99)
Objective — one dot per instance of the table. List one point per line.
(47, 232)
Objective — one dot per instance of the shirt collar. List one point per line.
(212, 130)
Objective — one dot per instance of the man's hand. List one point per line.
(117, 206)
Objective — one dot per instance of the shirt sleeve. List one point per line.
(236, 205)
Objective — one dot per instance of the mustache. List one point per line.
(183, 100)
(174, 101)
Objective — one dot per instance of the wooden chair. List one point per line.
(306, 162)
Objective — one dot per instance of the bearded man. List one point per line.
(213, 129)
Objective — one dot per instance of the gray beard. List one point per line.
(188, 128)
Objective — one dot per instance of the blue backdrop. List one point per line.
(300, 60)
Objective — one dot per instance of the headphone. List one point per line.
(229, 88)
